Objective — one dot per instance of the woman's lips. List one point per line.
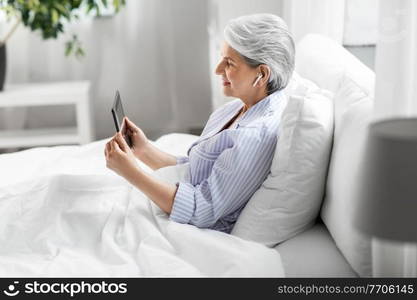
(226, 83)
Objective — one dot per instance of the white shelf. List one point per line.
(39, 94)
(75, 93)
(38, 137)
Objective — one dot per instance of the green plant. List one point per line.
(48, 17)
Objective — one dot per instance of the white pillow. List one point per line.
(353, 112)
(289, 200)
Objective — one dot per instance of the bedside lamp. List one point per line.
(387, 203)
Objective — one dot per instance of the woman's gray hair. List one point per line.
(264, 39)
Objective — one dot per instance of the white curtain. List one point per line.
(154, 51)
(326, 17)
(361, 23)
(396, 59)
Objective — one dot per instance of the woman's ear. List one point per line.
(266, 73)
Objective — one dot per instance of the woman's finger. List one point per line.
(121, 142)
(116, 146)
(125, 127)
(111, 144)
(130, 125)
(107, 148)
(115, 142)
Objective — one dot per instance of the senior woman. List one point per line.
(233, 155)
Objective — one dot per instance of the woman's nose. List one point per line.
(219, 69)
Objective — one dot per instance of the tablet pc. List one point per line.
(118, 117)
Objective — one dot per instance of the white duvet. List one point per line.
(63, 214)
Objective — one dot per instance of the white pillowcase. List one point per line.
(289, 200)
(353, 112)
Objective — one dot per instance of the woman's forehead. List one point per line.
(228, 51)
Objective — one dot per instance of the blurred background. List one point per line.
(161, 55)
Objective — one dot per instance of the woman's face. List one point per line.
(237, 76)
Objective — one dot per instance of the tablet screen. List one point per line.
(118, 113)
(118, 116)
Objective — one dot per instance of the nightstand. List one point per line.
(48, 94)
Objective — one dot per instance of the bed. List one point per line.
(63, 214)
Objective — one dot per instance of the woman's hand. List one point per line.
(144, 150)
(120, 158)
(140, 143)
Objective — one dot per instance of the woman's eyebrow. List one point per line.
(229, 58)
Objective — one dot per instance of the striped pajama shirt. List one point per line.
(227, 166)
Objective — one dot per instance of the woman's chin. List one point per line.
(227, 92)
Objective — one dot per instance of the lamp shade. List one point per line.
(386, 206)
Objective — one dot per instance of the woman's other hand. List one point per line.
(120, 158)
(145, 150)
(140, 142)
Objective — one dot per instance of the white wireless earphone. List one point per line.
(257, 79)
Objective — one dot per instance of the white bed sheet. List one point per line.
(63, 214)
(313, 253)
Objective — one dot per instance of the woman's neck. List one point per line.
(249, 102)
